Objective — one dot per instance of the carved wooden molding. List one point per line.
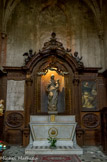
(14, 73)
(91, 69)
(90, 120)
(79, 131)
(29, 81)
(76, 81)
(14, 119)
(50, 49)
(26, 132)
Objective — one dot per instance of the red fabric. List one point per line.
(56, 158)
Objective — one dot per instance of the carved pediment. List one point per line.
(53, 47)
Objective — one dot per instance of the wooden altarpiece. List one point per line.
(55, 58)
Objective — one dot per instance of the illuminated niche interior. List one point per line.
(44, 97)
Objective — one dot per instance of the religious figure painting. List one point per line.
(89, 96)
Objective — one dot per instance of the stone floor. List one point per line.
(91, 154)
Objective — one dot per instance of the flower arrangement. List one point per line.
(52, 141)
(2, 146)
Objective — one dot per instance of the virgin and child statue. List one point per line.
(53, 91)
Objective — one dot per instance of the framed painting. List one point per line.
(89, 96)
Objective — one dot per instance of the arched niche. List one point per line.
(52, 59)
(41, 77)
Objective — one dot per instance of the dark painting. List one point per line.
(89, 95)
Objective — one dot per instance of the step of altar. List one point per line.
(44, 150)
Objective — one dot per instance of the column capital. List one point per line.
(29, 80)
(76, 81)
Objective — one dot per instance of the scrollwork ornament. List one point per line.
(14, 120)
(53, 47)
(90, 120)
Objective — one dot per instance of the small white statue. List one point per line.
(1, 107)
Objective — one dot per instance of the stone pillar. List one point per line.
(76, 97)
(3, 48)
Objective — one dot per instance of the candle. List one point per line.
(4, 147)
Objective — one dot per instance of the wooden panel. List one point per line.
(14, 136)
(3, 88)
(14, 124)
(104, 128)
(90, 120)
(91, 124)
(80, 136)
(92, 137)
(1, 127)
(102, 93)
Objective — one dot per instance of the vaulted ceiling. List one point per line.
(94, 5)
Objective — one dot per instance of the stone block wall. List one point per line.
(32, 22)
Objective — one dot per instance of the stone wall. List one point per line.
(32, 22)
(105, 32)
(0, 15)
(15, 95)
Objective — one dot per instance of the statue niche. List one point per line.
(52, 92)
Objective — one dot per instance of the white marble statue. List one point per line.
(53, 90)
